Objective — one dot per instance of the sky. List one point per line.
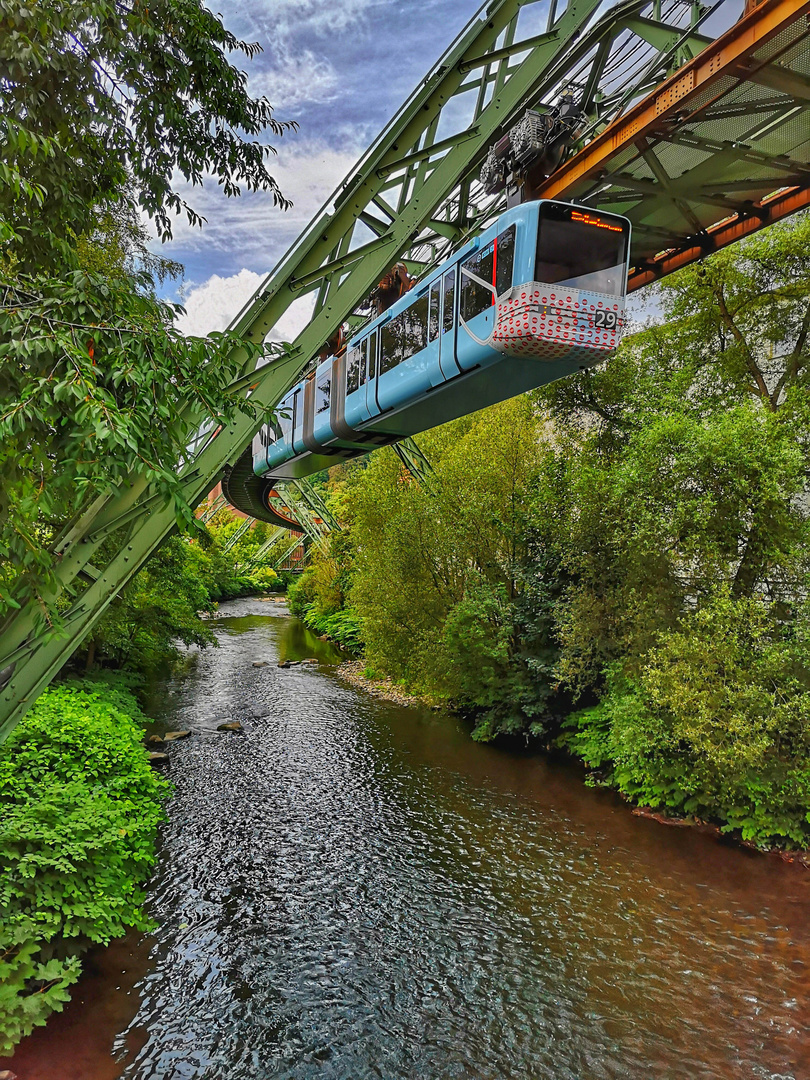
(341, 69)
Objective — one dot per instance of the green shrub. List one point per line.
(715, 722)
(157, 610)
(341, 626)
(318, 596)
(264, 578)
(79, 808)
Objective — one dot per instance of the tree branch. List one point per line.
(761, 389)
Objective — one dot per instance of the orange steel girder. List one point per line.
(768, 49)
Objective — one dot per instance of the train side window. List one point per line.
(449, 300)
(391, 344)
(372, 356)
(505, 260)
(322, 389)
(414, 327)
(352, 371)
(433, 310)
(297, 416)
(475, 294)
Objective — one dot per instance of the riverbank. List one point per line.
(354, 672)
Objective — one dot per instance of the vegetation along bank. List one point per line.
(616, 565)
(79, 802)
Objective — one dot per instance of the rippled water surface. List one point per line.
(351, 889)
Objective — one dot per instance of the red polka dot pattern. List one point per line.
(551, 323)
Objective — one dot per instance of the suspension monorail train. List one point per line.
(536, 296)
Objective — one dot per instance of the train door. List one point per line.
(434, 325)
(448, 361)
(372, 404)
(297, 419)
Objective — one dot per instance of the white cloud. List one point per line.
(215, 303)
(251, 225)
(296, 79)
(261, 21)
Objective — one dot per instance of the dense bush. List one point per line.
(160, 609)
(715, 723)
(79, 808)
(318, 595)
(444, 572)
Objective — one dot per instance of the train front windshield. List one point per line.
(582, 249)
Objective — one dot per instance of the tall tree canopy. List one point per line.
(105, 104)
(99, 92)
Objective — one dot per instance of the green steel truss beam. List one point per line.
(213, 508)
(304, 493)
(415, 461)
(260, 555)
(414, 195)
(232, 541)
(287, 552)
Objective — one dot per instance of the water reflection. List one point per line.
(350, 889)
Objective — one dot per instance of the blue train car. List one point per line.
(536, 296)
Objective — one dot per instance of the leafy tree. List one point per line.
(144, 625)
(90, 403)
(715, 722)
(681, 473)
(103, 104)
(98, 94)
(440, 578)
(686, 535)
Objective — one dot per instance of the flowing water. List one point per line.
(353, 889)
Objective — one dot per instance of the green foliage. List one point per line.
(97, 387)
(96, 92)
(682, 463)
(156, 611)
(319, 595)
(105, 106)
(502, 659)
(226, 560)
(264, 579)
(79, 808)
(440, 570)
(160, 608)
(342, 627)
(716, 723)
(30, 989)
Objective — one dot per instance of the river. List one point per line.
(351, 889)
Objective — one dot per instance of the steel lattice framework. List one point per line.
(415, 195)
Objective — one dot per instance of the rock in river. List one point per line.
(232, 725)
(260, 663)
(152, 739)
(170, 736)
(157, 759)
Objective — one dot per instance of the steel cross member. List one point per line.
(412, 195)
